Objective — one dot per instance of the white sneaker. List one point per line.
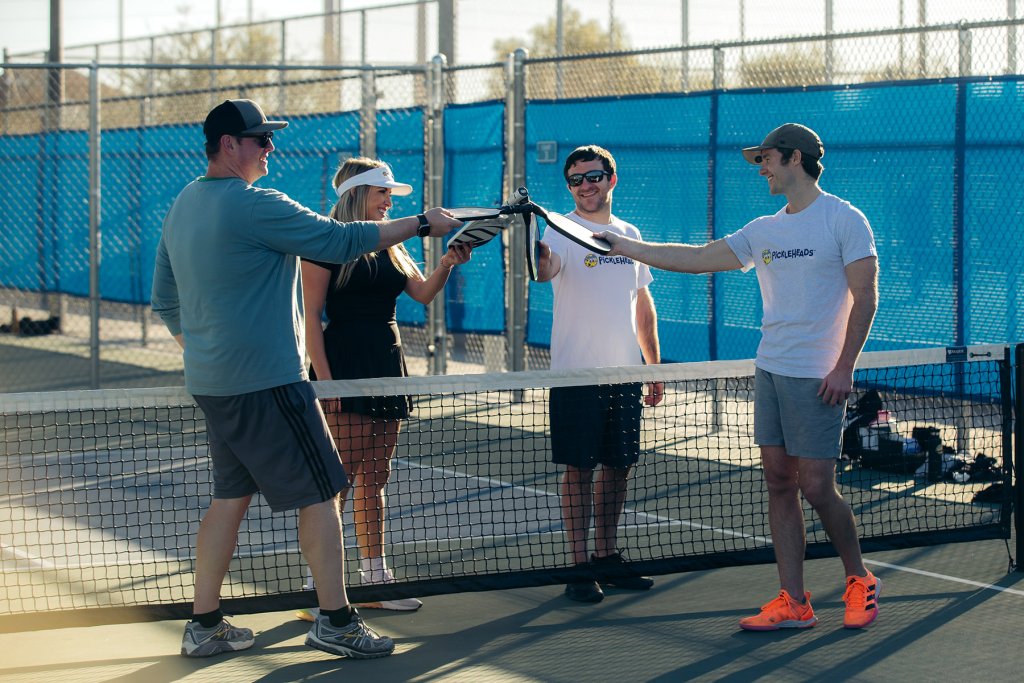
(379, 576)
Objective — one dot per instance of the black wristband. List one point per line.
(424, 229)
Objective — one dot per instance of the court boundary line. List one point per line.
(728, 532)
(945, 577)
(20, 556)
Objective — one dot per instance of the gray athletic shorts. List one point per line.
(788, 412)
(274, 441)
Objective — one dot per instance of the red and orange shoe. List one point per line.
(782, 612)
(861, 598)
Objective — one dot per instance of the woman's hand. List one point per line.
(457, 255)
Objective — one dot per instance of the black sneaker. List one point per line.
(584, 591)
(627, 579)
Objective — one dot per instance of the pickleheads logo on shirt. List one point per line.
(593, 260)
(769, 255)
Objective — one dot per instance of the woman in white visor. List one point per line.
(362, 340)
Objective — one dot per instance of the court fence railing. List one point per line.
(74, 274)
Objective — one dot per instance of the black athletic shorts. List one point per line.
(596, 424)
(274, 441)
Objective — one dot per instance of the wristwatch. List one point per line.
(424, 229)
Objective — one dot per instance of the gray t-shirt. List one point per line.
(801, 261)
(227, 279)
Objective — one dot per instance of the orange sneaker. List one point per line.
(782, 612)
(861, 598)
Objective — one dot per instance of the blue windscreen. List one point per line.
(473, 168)
(932, 164)
(400, 143)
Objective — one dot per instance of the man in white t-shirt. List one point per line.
(603, 316)
(817, 268)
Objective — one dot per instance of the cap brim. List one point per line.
(397, 189)
(752, 155)
(265, 127)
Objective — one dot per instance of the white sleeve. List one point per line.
(740, 245)
(856, 239)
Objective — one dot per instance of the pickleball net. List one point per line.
(101, 492)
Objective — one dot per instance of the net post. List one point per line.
(1018, 454)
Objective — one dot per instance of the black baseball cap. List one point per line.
(238, 117)
(788, 136)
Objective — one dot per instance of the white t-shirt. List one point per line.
(800, 261)
(594, 320)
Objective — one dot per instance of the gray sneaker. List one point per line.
(203, 642)
(355, 639)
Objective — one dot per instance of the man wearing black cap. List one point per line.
(817, 267)
(226, 285)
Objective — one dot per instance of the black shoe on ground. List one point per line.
(629, 581)
(584, 591)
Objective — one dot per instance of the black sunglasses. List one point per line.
(576, 179)
(262, 139)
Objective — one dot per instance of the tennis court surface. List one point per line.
(102, 492)
(930, 628)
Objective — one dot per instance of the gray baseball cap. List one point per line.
(788, 136)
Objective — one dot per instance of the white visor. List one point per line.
(380, 176)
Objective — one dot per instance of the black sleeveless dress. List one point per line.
(362, 339)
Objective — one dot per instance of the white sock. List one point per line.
(310, 585)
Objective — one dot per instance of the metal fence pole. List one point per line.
(718, 69)
(55, 301)
(959, 189)
(437, 349)
(922, 39)
(1018, 454)
(829, 48)
(213, 72)
(368, 115)
(516, 278)
(362, 37)
(964, 40)
(684, 35)
(1011, 38)
(559, 48)
(95, 229)
(282, 91)
(143, 309)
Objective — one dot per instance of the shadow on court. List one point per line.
(931, 627)
(27, 369)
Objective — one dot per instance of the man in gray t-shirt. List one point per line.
(818, 271)
(226, 284)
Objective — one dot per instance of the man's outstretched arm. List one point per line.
(712, 257)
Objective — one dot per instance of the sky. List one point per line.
(647, 23)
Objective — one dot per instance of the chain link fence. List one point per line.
(921, 126)
(352, 36)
